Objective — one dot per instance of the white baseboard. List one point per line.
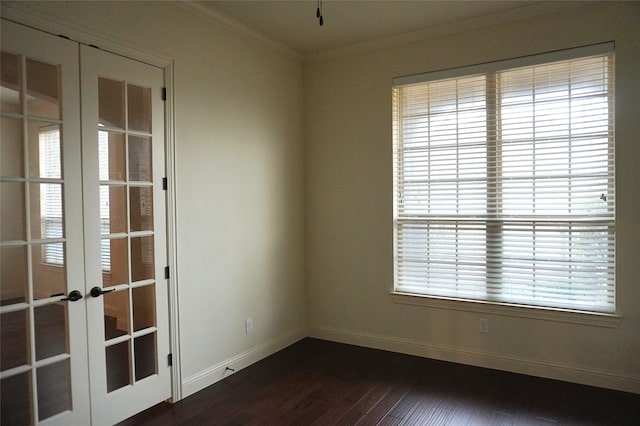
(568, 373)
(217, 372)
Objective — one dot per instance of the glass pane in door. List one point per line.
(45, 149)
(12, 200)
(114, 255)
(144, 302)
(140, 158)
(34, 326)
(11, 149)
(10, 70)
(15, 400)
(116, 314)
(110, 103)
(127, 229)
(113, 209)
(139, 108)
(146, 362)
(51, 330)
(54, 389)
(118, 359)
(14, 337)
(43, 89)
(13, 275)
(111, 151)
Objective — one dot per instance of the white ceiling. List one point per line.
(293, 23)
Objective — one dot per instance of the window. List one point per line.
(504, 181)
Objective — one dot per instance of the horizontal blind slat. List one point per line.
(508, 196)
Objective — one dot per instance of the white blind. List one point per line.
(504, 185)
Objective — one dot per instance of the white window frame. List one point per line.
(490, 304)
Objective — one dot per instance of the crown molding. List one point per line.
(26, 14)
(498, 18)
(210, 13)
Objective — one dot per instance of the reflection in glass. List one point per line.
(139, 107)
(10, 83)
(11, 152)
(116, 314)
(140, 159)
(15, 394)
(144, 307)
(46, 210)
(141, 208)
(54, 389)
(114, 256)
(110, 103)
(14, 337)
(113, 209)
(142, 258)
(111, 156)
(43, 89)
(118, 360)
(13, 275)
(51, 330)
(45, 150)
(49, 270)
(144, 348)
(13, 223)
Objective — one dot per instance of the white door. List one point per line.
(80, 208)
(126, 252)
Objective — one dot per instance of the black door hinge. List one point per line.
(170, 359)
(166, 272)
(165, 184)
(164, 93)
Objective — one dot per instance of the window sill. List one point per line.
(513, 310)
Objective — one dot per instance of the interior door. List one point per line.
(43, 350)
(125, 234)
(84, 301)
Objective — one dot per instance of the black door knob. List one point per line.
(73, 296)
(97, 291)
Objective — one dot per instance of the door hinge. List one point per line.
(170, 359)
(164, 93)
(166, 272)
(165, 184)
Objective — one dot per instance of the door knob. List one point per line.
(97, 291)
(73, 296)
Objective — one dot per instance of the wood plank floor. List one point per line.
(315, 382)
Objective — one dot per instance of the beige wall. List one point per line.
(239, 155)
(349, 234)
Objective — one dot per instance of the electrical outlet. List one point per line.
(484, 325)
(248, 325)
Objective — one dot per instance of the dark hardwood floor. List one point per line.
(315, 382)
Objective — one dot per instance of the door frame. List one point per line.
(22, 13)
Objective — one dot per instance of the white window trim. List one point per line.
(508, 309)
(591, 318)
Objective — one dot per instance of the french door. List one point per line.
(83, 300)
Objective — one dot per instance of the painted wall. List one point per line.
(239, 156)
(349, 234)
(256, 204)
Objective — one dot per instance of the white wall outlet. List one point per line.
(248, 325)
(484, 325)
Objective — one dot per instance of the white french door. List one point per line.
(124, 204)
(83, 297)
